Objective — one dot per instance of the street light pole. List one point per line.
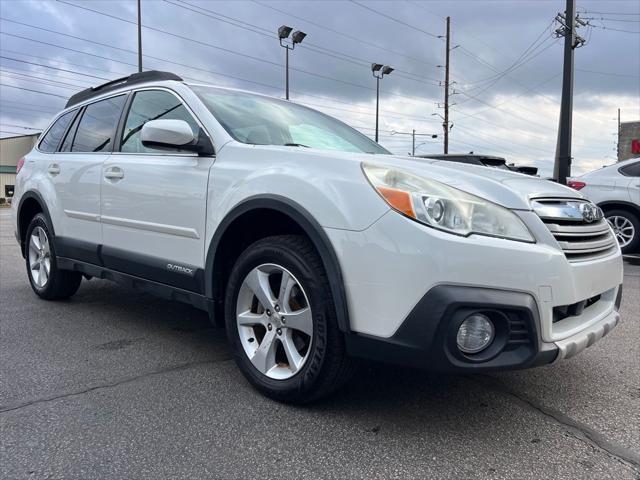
(297, 37)
(139, 37)
(377, 104)
(286, 77)
(379, 71)
(413, 138)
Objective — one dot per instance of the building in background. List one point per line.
(629, 140)
(13, 149)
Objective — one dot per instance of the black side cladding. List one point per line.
(133, 79)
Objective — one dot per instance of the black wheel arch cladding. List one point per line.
(214, 285)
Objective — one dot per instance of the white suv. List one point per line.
(311, 243)
(616, 189)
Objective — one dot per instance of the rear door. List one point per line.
(154, 200)
(76, 170)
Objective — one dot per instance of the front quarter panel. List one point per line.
(331, 188)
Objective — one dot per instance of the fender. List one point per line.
(308, 224)
(634, 207)
(45, 210)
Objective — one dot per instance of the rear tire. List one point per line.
(312, 365)
(47, 280)
(626, 226)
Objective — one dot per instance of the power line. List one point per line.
(613, 74)
(397, 114)
(49, 67)
(345, 35)
(44, 80)
(360, 62)
(233, 52)
(413, 27)
(31, 90)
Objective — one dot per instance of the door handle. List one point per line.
(114, 173)
(54, 169)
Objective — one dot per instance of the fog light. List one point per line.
(475, 334)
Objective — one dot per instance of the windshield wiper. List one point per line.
(296, 145)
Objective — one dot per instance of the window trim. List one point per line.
(132, 93)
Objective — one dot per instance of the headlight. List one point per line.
(443, 207)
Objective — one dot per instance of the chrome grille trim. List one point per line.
(579, 240)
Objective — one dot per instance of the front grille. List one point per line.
(578, 239)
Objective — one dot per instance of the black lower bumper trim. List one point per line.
(427, 338)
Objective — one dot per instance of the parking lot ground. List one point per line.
(119, 384)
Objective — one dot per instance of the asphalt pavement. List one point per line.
(122, 385)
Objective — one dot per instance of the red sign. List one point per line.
(635, 146)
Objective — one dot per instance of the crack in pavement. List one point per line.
(580, 430)
(122, 381)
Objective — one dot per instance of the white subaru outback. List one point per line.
(311, 243)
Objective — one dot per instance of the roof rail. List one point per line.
(134, 78)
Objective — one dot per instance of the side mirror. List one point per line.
(175, 134)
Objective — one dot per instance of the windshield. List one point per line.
(259, 120)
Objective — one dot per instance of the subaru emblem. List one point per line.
(590, 212)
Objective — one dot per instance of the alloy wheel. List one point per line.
(623, 229)
(274, 321)
(39, 257)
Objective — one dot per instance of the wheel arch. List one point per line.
(620, 204)
(31, 203)
(226, 245)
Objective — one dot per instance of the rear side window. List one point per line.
(632, 170)
(152, 105)
(97, 128)
(51, 140)
(68, 139)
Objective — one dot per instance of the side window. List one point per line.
(632, 170)
(71, 134)
(152, 105)
(51, 140)
(97, 128)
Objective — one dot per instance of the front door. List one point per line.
(154, 200)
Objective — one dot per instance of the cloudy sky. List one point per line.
(506, 64)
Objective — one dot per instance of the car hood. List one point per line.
(509, 189)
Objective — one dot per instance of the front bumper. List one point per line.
(426, 338)
(396, 266)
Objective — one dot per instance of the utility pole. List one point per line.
(139, 37)
(618, 139)
(446, 89)
(568, 21)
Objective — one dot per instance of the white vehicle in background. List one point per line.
(616, 190)
(311, 243)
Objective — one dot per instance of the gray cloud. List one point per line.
(333, 64)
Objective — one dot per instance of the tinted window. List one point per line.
(632, 170)
(97, 127)
(71, 133)
(152, 105)
(51, 140)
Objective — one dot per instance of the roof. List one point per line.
(133, 79)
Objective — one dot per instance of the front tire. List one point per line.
(281, 321)
(47, 280)
(626, 227)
